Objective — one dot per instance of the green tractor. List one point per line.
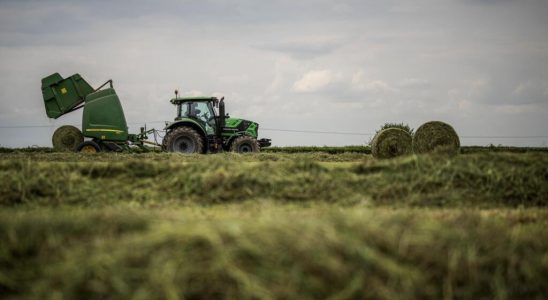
(201, 126)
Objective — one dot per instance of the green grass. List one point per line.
(268, 251)
(273, 226)
(479, 180)
(324, 149)
(363, 149)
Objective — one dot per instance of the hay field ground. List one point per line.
(273, 226)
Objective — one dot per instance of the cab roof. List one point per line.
(179, 100)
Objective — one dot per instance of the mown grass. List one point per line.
(325, 149)
(267, 251)
(480, 180)
(366, 149)
(273, 226)
(363, 149)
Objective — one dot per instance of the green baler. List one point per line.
(103, 119)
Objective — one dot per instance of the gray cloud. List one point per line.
(304, 50)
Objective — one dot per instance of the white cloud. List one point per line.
(313, 81)
(360, 83)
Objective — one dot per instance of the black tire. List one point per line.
(245, 144)
(67, 138)
(184, 140)
(89, 147)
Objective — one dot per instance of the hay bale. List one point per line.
(436, 136)
(67, 138)
(391, 142)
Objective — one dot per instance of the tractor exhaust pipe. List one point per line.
(221, 117)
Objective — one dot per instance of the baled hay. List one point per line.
(436, 136)
(67, 138)
(391, 142)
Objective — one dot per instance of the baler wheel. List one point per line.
(67, 138)
(245, 144)
(89, 147)
(184, 140)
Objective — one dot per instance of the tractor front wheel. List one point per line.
(245, 144)
(184, 140)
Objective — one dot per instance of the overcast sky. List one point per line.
(344, 66)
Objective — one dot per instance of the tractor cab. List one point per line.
(199, 109)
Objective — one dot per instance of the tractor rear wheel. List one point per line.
(67, 138)
(245, 144)
(89, 147)
(184, 140)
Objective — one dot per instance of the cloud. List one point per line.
(313, 81)
(378, 86)
(501, 91)
(415, 83)
(531, 91)
(304, 49)
(294, 62)
(360, 83)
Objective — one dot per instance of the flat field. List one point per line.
(273, 226)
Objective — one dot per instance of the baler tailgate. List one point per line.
(61, 96)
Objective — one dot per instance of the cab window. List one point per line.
(183, 110)
(202, 111)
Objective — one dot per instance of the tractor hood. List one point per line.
(242, 125)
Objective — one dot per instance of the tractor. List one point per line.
(201, 126)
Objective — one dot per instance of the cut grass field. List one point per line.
(273, 226)
(479, 180)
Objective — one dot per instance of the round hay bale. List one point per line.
(436, 136)
(391, 142)
(67, 138)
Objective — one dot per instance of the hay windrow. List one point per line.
(391, 142)
(67, 138)
(436, 136)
